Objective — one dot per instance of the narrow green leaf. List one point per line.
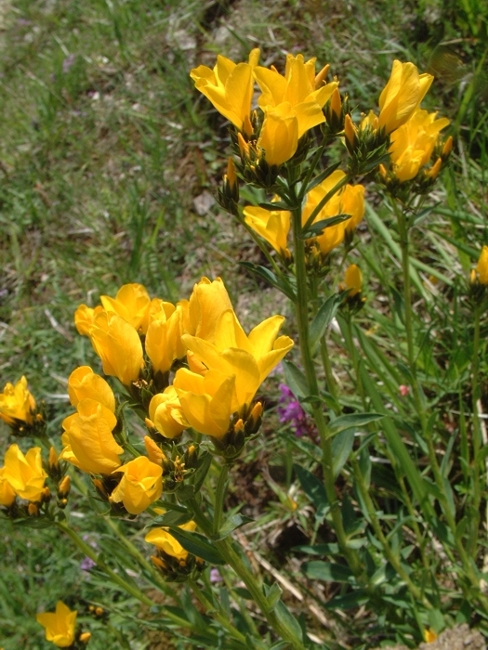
(322, 176)
(341, 449)
(295, 379)
(324, 318)
(353, 421)
(273, 594)
(270, 277)
(233, 522)
(317, 228)
(313, 488)
(200, 474)
(327, 571)
(197, 545)
(288, 620)
(172, 518)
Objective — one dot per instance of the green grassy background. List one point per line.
(104, 147)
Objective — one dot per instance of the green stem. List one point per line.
(301, 310)
(89, 551)
(477, 437)
(392, 558)
(232, 558)
(466, 560)
(256, 590)
(217, 612)
(220, 498)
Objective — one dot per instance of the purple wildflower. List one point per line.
(87, 563)
(290, 412)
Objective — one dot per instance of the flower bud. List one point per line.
(64, 487)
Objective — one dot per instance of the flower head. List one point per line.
(141, 485)
(481, 272)
(16, 403)
(165, 413)
(164, 541)
(84, 383)
(271, 225)
(25, 473)
(402, 95)
(59, 625)
(131, 303)
(229, 87)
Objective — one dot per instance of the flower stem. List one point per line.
(477, 437)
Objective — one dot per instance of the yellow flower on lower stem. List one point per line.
(7, 494)
(402, 95)
(164, 541)
(84, 317)
(207, 401)
(413, 143)
(349, 199)
(163, 339)
(118, 345)
(271, 225)
(481, 271)
(16, 403)
(59, 625)
(25, 473)
(84, 383)
(88, 440)
(141, 485)
(166, 415)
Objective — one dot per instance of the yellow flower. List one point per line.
(229, 87)
(118, 345)
(430, 635)
(154, 453)
(16, 403)
(248, 358)
(207, 401)
(165, 542)
(482, 266)
(271, 225)
(59, 625)
(165, 413)
(25, 473)
(353, 280)
(278, 138)
(348, 200)
(84, 317)
(163, 339)
(7, 494)
(88, 440)
(402, 95)
(297, 89)
(140, 485)
(84, 383)
(413, 143)
(207, 302)
(131, 303)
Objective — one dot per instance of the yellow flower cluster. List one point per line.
(291, 103)
(274, 226)
(22, 476)
(16, 403)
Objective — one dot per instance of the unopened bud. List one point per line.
(191, 457)
(33, 509)
(247, 126)
(100, 487)
(321, 77)
(336, 104)
(154, 453)
(64, 487)
(433, 172)
(159, 563)
(53, 459)
(350, 133)
(99, 611)
(243, 147)
(447, 148)
(84, 637)
(46, 494)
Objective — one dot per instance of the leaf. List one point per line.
(349, 601)
(327, 571)
(353, 422)
(204, 463)
(322, 176)
(274, 206)
(295, 380)
(172, 518)
(341, 449)
(271, 278)
(197, 545)
(233, 522)
(317, 228)
(273, 594)
(288, 620)
(313, 488)
(323, 319)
